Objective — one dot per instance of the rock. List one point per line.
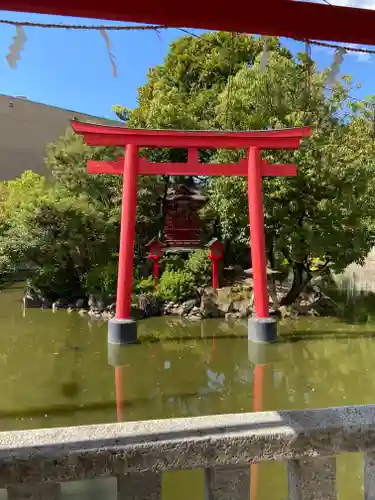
(46, 304)
(79, 303)
(82, 312)
(231, 316)
(32, 300)
(56, 306)
(167, 307)
(188, 305)
(95, 314)
(92, 302)
(100, 304)
(224, 308)
(195, 314)
(107, 315)
(242, 307)
(209, 304)
(149, 305)
(286, 312)
(112, 307)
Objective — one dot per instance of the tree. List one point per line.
(322, 217)
(324, 214)
(67, 227)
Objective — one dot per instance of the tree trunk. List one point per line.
(301, 276)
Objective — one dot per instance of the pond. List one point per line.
(54, 371)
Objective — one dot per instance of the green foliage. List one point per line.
(102, 279)
(176, 285)
(327, 210)
(199, 265)
(172, 262)
(67, 227)
(146, 285)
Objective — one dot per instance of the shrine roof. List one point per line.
(183, 192)
(290, 18)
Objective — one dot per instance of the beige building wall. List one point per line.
(26, 128)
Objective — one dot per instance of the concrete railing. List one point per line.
(33, 464)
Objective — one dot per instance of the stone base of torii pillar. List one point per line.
(122, 331)
(262, 330)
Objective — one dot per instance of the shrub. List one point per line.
(172, 262)
(146, 285)
(176, 285)
(102, 279)
(199, 265)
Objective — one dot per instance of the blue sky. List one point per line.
(71, 69)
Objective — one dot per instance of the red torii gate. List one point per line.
(122, 329)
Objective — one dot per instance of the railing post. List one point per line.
(227, 483)
(37, 491)
(369, 475)
(312, 479)
(139, 486)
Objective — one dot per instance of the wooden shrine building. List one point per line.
(182, 225)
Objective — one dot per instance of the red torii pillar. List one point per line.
(122, 329)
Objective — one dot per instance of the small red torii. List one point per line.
(122, 329)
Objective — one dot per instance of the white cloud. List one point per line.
(362, 4)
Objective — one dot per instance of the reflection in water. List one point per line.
(54, 371)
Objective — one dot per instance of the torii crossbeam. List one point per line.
(122, 329)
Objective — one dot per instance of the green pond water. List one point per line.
(54, 371)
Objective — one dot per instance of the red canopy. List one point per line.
(289, 18)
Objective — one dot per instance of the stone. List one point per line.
(139, 486)
(168, 307)
(224, 308)
(149, 305)
(369, 475)
(304, 437)
(286, 312)
(95, 314)
(209, 304)
(312, 479)
(227, 483)
(242, 307)
(100, 304)
(48, 491)
(188, 305)
(112, 307)
(32, 300)
(231, 316)
(79, 303)
(92, 302)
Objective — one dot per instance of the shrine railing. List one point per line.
(34, 464)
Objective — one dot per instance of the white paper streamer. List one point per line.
(109, 49)
(17, 47)
(264, 57)
(335, 66)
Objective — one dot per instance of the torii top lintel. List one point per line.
(103, 135)
(297, 19)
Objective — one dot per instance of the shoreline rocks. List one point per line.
(230, 303)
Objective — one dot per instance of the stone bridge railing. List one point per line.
(33, 464)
